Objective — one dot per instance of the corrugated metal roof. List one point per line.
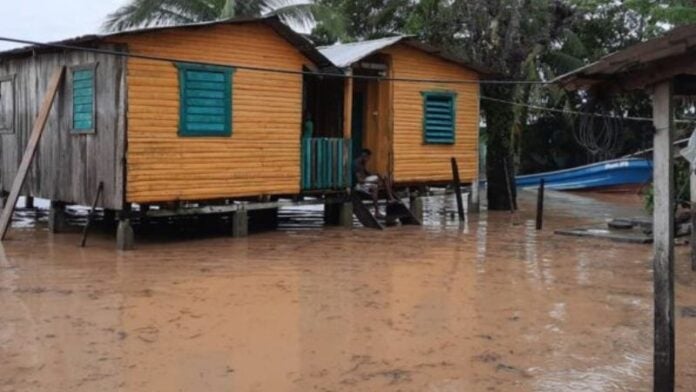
(345, 55)
(643, 57)
(294, 38)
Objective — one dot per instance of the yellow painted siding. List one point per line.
(262, 157)
(415, 161)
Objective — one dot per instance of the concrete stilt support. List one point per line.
(345, 216)
(57, 219)
(125, 237)
(240, 222)
(416, 205)
(29, 202)
(475, 197)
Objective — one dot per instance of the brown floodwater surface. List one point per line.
(487, 305)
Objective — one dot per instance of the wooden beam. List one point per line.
(348, 108)
(692, 239)
(663, 262)
(37, 131)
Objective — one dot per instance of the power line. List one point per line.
(331, 74)
(575, 112)
(269, 69)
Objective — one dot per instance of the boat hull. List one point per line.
(620, 175)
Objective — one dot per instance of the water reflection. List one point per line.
(483, 305)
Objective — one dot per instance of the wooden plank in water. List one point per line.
(363, 213)
(456, 183)
(37, 131)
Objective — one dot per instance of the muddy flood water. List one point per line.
(487, 305)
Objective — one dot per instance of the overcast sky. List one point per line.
(52, 20)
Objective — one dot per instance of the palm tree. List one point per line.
(146, 13)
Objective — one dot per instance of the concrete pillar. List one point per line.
(345, 217)
(663, 232)
(240, 222)
(475, 197)
(125, 237)
(415, 204)
(57, 219)
(29, 202)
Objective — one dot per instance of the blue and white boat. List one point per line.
(619, 175)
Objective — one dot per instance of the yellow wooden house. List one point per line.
(211, 114)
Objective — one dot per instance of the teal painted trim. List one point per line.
(205, 100)
(83, 96)
(323, 165)
(439, 117)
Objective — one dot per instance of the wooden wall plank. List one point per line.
(261, 157)
(28, 156)
(67, 167)
(414, 161)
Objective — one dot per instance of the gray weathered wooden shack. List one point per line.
(69, 163)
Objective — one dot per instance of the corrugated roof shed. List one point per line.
(345, 55)
(639, 65)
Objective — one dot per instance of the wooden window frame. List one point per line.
(11, 79)
(229, 73)
(90, 67)
(452, 95)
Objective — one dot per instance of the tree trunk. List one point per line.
(499, 124)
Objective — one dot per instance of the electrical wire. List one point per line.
(269, 69)
(329, 74)
(577, 113)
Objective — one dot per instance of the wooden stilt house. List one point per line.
(405, 106)
(212, 116)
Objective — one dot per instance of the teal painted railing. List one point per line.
(325, 163)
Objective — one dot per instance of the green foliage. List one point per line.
(682, 174)
(144, 13)
(352, 20)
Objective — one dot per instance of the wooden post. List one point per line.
(29, 202)
(57, 219)
(692, 240)
(348, 106)
(475, 195)
(240, 222)
(348, 130)
(125, 237)
(457, 188)
(540, 206)
(90, 216)
(36, 132)
(663, 112)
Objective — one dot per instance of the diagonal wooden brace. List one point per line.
(37, 131)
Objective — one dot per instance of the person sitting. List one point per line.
(370, 183)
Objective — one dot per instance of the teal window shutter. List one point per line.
(205, 100)
(83, 100)
(439, 117)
